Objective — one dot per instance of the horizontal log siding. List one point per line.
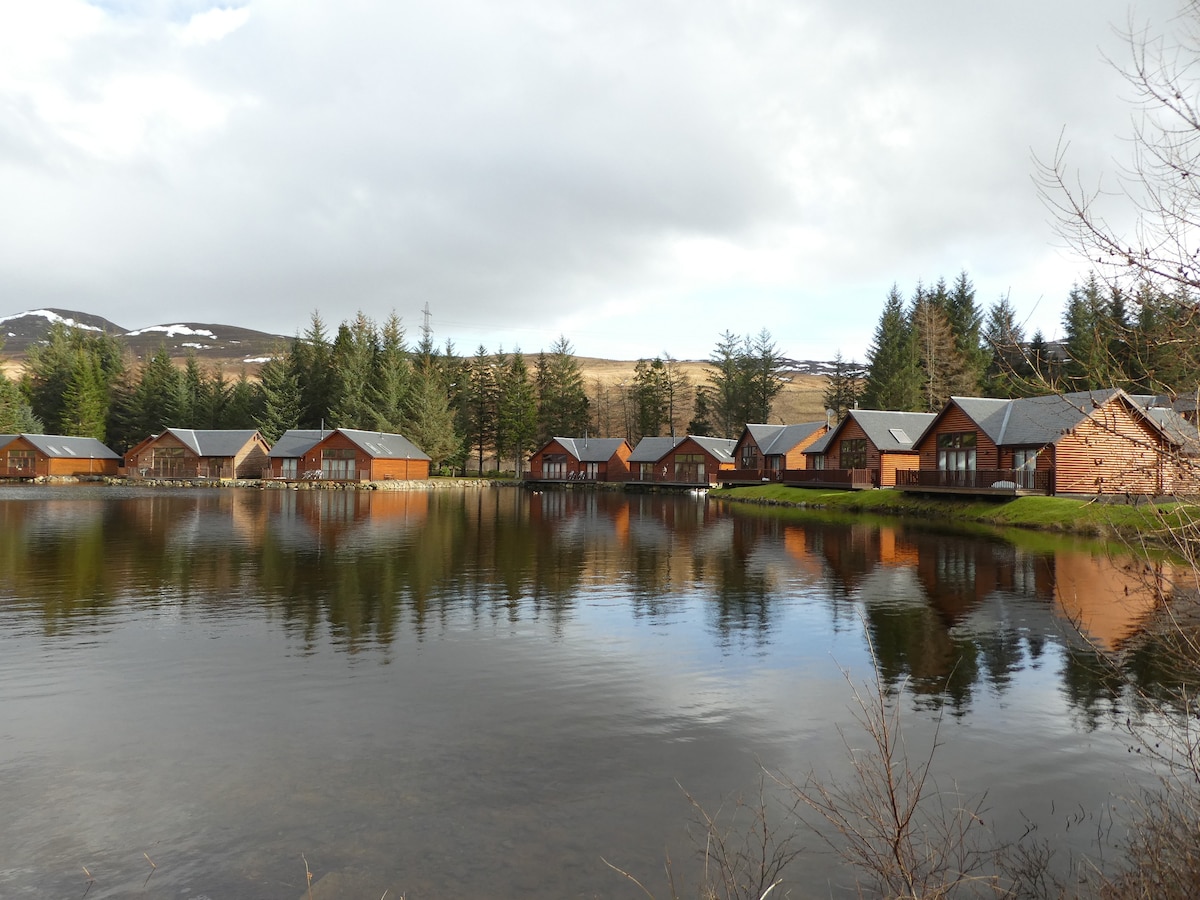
(890, 462)
(1110, 452)
(397, 469)
(554, 447)
(251, 459)
(987, 456)
(795, 458)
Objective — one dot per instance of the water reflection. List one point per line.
(946, 613)
(524, 675)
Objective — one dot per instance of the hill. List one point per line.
(233, 348)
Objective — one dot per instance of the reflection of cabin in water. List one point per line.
(55, 456)
(564, 459)
(765, 452)
(863, 450)
(193, 453)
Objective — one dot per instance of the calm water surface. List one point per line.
(490, 693)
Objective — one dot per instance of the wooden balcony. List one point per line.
(843, 479)
(997, 482)
(750, 476)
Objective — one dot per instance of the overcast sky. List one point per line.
(638, 176)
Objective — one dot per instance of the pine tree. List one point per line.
(192, 394)
(356, 353)
(966, 321)
(1008, 373)
(893, 378)
(562, 397)
(478, 410)
(763, 364)
(16, 415)
(845, 386)
(317, 378)
(281, 402)
(940, 363)
(158, 396)
(516, 429)
(85, 403)
(245, 404)
(393, 377)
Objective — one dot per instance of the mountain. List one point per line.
(217, 343)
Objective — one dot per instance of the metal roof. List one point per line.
(382, 445)
(591, 449)
(890, 431)
(58, 446)
(775, 440)
(720, 448)
(652, 449)
(214, 442)
(295, 442)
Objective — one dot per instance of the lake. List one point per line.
(493, 692)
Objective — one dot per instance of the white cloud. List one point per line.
(213, 25)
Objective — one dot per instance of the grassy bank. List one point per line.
(1060, 514)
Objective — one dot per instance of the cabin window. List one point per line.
(646, 471)
(168, 462)
(816, 461)
(21, 461)
(956, 452)
(854, 453)
(288, 468)
(554, 465)
(749, 457)
(689, 467)
(337, 463)
(1025, 466)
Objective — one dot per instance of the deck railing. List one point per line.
(975, 480)
(846, 478)
(750, 476)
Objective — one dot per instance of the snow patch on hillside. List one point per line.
(173, 331)
(51, 317)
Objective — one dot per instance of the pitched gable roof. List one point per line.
(720, 448)
(887, 430)
(591, 449)
(57, 446)
(382, 445)
(214, 442)
(1038, 421)
(295, 442)
(776, 440)
(652, 449)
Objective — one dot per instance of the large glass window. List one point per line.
(689, 467)
(749, 456)
(337, 463)
(956, 451)
(21, 461)
(854, 453)
(554, 465)
(1025, 464)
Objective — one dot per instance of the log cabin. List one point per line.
(346, 454)
(55, 456)
(863, 450)
(564, 459)
(199, 453)
(765, 452)
(1088, 442)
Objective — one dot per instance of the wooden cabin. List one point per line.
(643, 461)
(285, 458)
(564, 459)
(1089, 442)
(194, 453)
(695, 460)
(864, 450)
(55, 456)
(765, 452)
(346, 454)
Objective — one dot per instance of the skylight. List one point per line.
(900, 435)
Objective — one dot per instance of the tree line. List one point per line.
(490, 406)
(941, 343)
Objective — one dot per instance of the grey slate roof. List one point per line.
(821, 443)
(775, 440)
(720, 448)
(214, 442)
(1036, 421)
(1180, 431)
(59, 446)
(889, 431)
(652, 449)
(7, 438)
(295, 442)
(591, 449)
(381, 445)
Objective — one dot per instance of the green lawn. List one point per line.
(1087, 517)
